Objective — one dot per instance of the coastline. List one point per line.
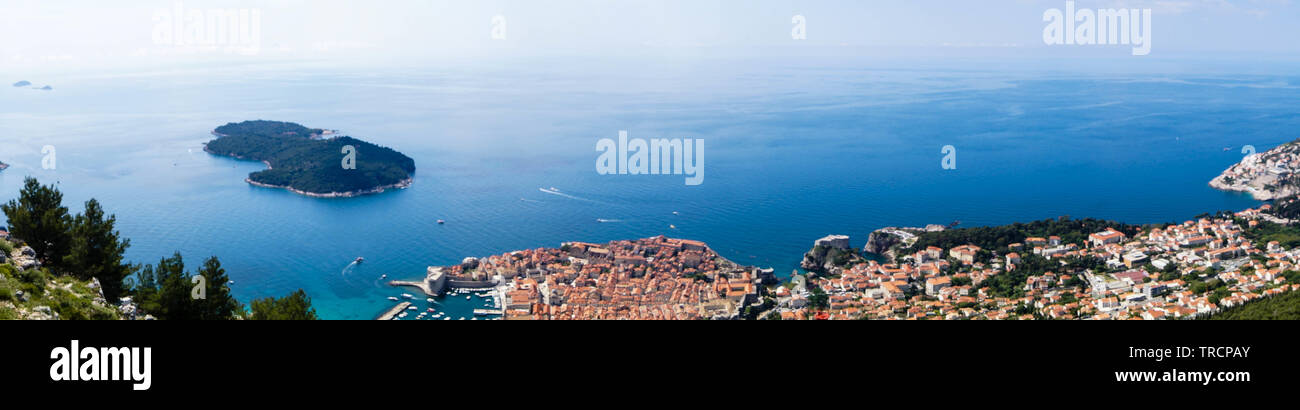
(1258, 195)
(403, 184)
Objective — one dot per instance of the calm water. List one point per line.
(793, 152)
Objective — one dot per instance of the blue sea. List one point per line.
(795, 149)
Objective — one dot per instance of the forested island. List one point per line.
(3, 166)
(309, 161)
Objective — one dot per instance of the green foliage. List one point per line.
(1288, 208)
(165, 291)
(1265, 232)
(68, 297)
(307, 164)
(295, 306)
(819, 300)
(39, 218)
(1012, 284)
(97, 251)
(1074, 231)
(1280, 307)
(219, 304)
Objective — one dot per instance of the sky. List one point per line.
(83, 34)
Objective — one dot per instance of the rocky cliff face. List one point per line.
(829, 254)
(880, 241)
(885, 240)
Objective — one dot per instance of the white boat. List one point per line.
(402, 315)
(383, 276)
(393, 298)
(411, 308)
(442, 222)
(408, 296)
(359, 260)
(468, 297)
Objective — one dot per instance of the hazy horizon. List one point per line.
(81, 35)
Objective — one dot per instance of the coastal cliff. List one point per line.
(884, 241)
(1265, 176)
(828, 255)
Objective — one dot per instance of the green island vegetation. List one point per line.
(302, 160)
(73, 267)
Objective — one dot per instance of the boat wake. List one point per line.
(554, 191)
(609, 221)
(530, 200)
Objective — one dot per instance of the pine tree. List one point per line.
(39, 218)
(96, 251)
(219, 304)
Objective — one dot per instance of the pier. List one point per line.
(396, 310)
(432, 285)
(488, 312)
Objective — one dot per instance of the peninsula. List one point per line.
(1266, 176)
(655, 278)
(312, 162)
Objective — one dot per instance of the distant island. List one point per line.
(3, 166)
(309, 161)
(1266, 176)
(23, 83)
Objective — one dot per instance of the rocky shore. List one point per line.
(403, 184)
(1265, 176)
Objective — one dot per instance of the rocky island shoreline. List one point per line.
(311, 162)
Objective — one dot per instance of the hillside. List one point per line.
(35, 294)
(1285, 306)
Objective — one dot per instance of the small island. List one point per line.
(309, 161)
(22, 83)
(3, 166)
